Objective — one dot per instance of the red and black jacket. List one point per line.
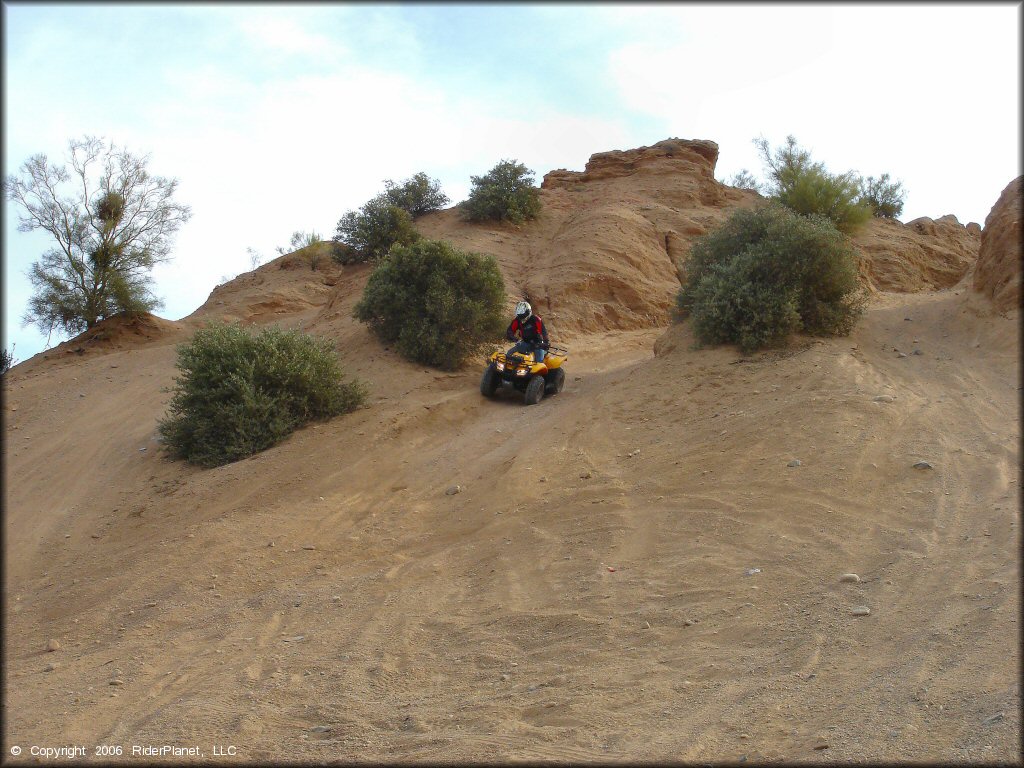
(532, 331)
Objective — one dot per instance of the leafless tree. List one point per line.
(112, 222)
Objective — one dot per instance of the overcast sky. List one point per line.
(278, 118)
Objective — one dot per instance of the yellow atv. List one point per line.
(534, 380)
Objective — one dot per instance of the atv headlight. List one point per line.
(501, 366)
(521, 372)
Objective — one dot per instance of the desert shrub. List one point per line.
(436, 304)
(6, 360)
(769, 272)
(884, 197)
(299, 241)
(744, 180)
(505, 193)
(418, 195)
(371, 232)
(807, 187)
(239, 392)
(386, 219)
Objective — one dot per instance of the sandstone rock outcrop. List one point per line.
(922, 255)
(998, 272)
(612, 240)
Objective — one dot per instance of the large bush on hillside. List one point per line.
(505, 193)
(807, 187)
(418, 195)
(767, 273)
(436, 304)
(884, 197)
(239, 392)
(373, 230)
(386, 219)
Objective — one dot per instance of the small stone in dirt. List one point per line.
(883, 399)
(795, 463)
(850, 578)
(585, 475)
(923, 465)
(309, 547)
(751, 571)
(49, 667)
(634, 453)
(52, 645)
(917, 352)
(994, 719)
(504, 677)
(861, 610)
(453, 489)
(115, 681)
(821, 745)
(320, 728)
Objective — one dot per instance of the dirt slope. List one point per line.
(584, 595)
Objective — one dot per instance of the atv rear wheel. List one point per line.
(534, 390)
(556, 380)
(490, 381)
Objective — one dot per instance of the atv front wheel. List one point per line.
(556, 380)
(534, 390)
(490, 382)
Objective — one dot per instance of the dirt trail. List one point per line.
(583, 597)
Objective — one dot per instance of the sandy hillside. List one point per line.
(630, 570)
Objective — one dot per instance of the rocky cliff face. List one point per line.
(998, 272)
(921, 255)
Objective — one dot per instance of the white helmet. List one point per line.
(523, 311)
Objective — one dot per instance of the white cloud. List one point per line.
(930, 95)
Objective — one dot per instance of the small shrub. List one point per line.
(807, 187)
(6, 360)
(436, 304)
(505, 193)
(769, 272)
(240, 393)
(299, 241)
(885, 198)
(745, 180)
(374, 229)
(418, 195)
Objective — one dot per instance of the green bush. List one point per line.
(885, 198)
(505, 193)
(386, 220)
(418, 195)
(744, 180)
(769, 272)
(6, 360)
(240, 393)
(371, 232)
(807, 187)
(436, 304)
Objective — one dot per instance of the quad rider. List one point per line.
(533, 336)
